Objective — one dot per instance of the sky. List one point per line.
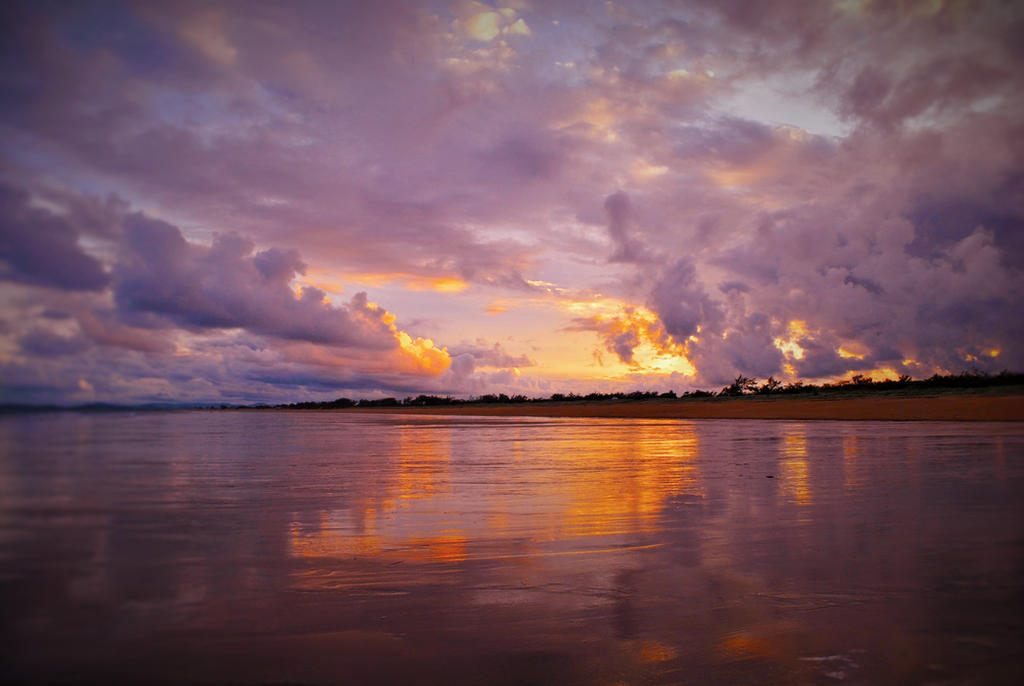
(272, 202)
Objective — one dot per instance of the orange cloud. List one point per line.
(419, 356)
(409, 355)
(413, 282)
(790, 345)
(635, 335)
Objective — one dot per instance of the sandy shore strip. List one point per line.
(937, 408)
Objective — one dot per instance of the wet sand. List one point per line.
(329, 548)
(952, 407)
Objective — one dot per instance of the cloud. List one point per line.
(682, 304)
(483, 23)
(41, 248)
(628, 247)
(227, 285)
(639, 341)
(174, 299)
(725, 169)
(620, 335)
(747, 348)
(45, 343)
(103, 326)
(484, 355)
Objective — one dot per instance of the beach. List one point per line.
(286, 547)
(939, 407)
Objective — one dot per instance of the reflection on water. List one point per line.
(336, 548)
(793, 465)
(594, 482)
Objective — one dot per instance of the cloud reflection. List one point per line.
(580, 492)
(326, 546)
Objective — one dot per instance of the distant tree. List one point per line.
(382, 402)
(741, 385)
(341, 402)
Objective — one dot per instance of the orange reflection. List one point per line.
(423, 462)
(615, 486)
(445, 547)
(593, 482)
(794, 467)
(368, 530)
(655, 651)
(330, 539)
(744, 645)
(766, 641)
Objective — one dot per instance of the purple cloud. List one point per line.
(228, 285)
(828, 175)
(484, 355)
(41, 248)
(48, 344)
(628, 247)
(682, 304)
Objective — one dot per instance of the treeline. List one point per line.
(489, 399)
(744, 385)
(741, 386)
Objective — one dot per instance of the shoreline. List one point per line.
(952, 407)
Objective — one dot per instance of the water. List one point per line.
(275, 547)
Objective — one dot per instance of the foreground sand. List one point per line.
(938, 407)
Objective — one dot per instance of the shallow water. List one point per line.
(287, 547)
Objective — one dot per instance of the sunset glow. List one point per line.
(209, 204)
